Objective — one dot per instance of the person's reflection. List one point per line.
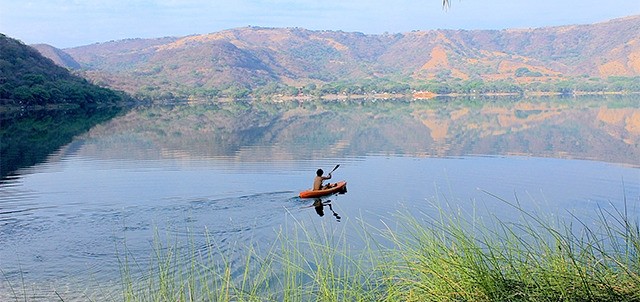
(318, 204)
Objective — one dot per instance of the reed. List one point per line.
(450, 258)
(304, 263)
(447, 256)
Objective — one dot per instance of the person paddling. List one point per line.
(317, 181)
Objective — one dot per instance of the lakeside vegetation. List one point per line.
(449, 256)
(402, 87)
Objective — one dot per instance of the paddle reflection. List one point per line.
(319, 205)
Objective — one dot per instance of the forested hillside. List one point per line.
(27, 78)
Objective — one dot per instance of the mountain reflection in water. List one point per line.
(597, 128)
(27, 137)
(83, 186)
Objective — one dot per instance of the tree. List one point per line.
(522, 72)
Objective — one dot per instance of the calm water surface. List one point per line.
(232, 172)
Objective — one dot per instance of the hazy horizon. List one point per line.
(66, 24)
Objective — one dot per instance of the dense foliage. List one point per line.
(403, 86)
(568, 86)
(27, 78)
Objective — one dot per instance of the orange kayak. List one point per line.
(339, 187)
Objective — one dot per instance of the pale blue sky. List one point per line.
(68, 23)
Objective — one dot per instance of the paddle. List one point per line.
(336, 167)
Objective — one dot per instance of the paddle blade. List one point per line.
(336, 167)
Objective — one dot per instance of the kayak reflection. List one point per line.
(319, 205)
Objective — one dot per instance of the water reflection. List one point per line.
(231, 172)
(598, 128)
(28, 137)
(319, 205)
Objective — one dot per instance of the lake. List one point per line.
(81, 189)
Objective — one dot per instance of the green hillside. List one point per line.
(29, 79)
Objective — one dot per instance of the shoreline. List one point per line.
(415, 96)
(427, 95)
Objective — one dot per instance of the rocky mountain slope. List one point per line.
(253, 57)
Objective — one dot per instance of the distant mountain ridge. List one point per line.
(56, 55)
(254, 57)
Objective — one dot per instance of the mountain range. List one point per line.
(253, 57)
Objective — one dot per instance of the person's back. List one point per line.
(317, 181)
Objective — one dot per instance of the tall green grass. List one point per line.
(446, 256)
(450, 258)
(443, 257)
(304, 263)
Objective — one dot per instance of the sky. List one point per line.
(70, 23)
